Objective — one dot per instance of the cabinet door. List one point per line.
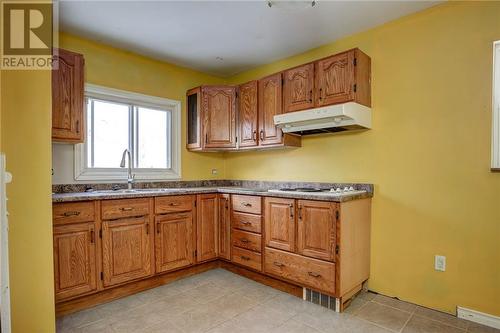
(224, 227)
(219, 114)
(207, 229)
(316, 229)
(193, 97)
(67, 98)
(279, 223)
(298, 88)
(174, 241)
(126, 250)
(270, 104)
(335, 79)
(248, 117)
(74, 260)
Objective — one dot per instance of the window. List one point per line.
(149, 127)
(495, 140)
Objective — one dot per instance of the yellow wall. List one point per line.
(25, 137)
(124, 70)
(428, 155)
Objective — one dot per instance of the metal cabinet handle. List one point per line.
(126, 209)
(246, 223)
(310, 96)
(316, 275)
(261, 135)
(147, 228)
(72, 213)
(254, 135)
(300, 212)
(246, 204)
(92, 237)
(245, 258)
(320, 94)
(278, 264)
(78, 127)
(244, 240)
(291, 211)
(157, 228)
(174, 204)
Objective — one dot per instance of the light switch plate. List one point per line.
(440, 263)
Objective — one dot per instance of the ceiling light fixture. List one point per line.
(291, 3)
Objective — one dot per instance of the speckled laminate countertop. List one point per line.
(144, 193)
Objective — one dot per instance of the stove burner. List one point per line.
(301, 189)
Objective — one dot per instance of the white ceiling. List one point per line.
(225, 37)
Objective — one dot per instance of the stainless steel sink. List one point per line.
(135, 190)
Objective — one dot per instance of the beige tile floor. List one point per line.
(218, 301)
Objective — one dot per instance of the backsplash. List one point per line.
(254, 184)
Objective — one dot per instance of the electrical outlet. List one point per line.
(214, 171)
(440, 263)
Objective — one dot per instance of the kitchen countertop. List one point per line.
(145, 193)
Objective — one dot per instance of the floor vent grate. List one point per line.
(316, 297)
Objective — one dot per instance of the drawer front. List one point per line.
(246, 204)
(73, 212)
(246, 240)
(115, 209)
(182, 203)
(246, 258)
(316, 274)
(247, 222)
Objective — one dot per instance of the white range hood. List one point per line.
(333, 118)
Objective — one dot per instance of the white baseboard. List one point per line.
(478, 317)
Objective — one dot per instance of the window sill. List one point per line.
(121, 174)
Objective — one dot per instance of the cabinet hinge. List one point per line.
(195, 253)
(236, 139)
(282, 81)
(337, 215)
(195, 202)
(355, 87)
(100, 233)
(102, 276)
(355, 62)
(337, 249)
(236, 94)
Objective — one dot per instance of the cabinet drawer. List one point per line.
(316, 274)
(247, 222)
(246, 240)
(73, 212)
(246, 204)
(246, 258)
(173, 204)
(115, 209)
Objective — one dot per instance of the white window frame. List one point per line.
(83, 173)
(495, 133)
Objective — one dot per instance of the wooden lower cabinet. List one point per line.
(316, 274)
(224, 227)
(173, 241)
(316, 225)
(74, 260)
(126, 250)
(247, 258)
(279, 223)
(207, 229)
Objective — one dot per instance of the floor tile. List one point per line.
(199, 319)
(231, 305)
(161, 327)
(259, 292)
(260, 320)
(395, 303)
(419, 324)
(77, 319)
(119, 305)
(368, 295)
(102, 326)
(205, 293)
(478, 328)
(324, 320)
(355, 305)
(441, 316)
(288, 303)
(383, 316)
(293, 326)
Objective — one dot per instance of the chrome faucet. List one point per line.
(130, 176)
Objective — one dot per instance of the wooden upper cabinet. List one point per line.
(298, 88)
(74, 260)
(219, 117)
(316, 227)
(126, 249)
(248, 116)
(342, 78)
(270, 104)
(67, 97)
(207, 227)
(174, 241)
(194, 123)
(279, 223)
(224, 227)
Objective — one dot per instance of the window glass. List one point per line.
(153, 138)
